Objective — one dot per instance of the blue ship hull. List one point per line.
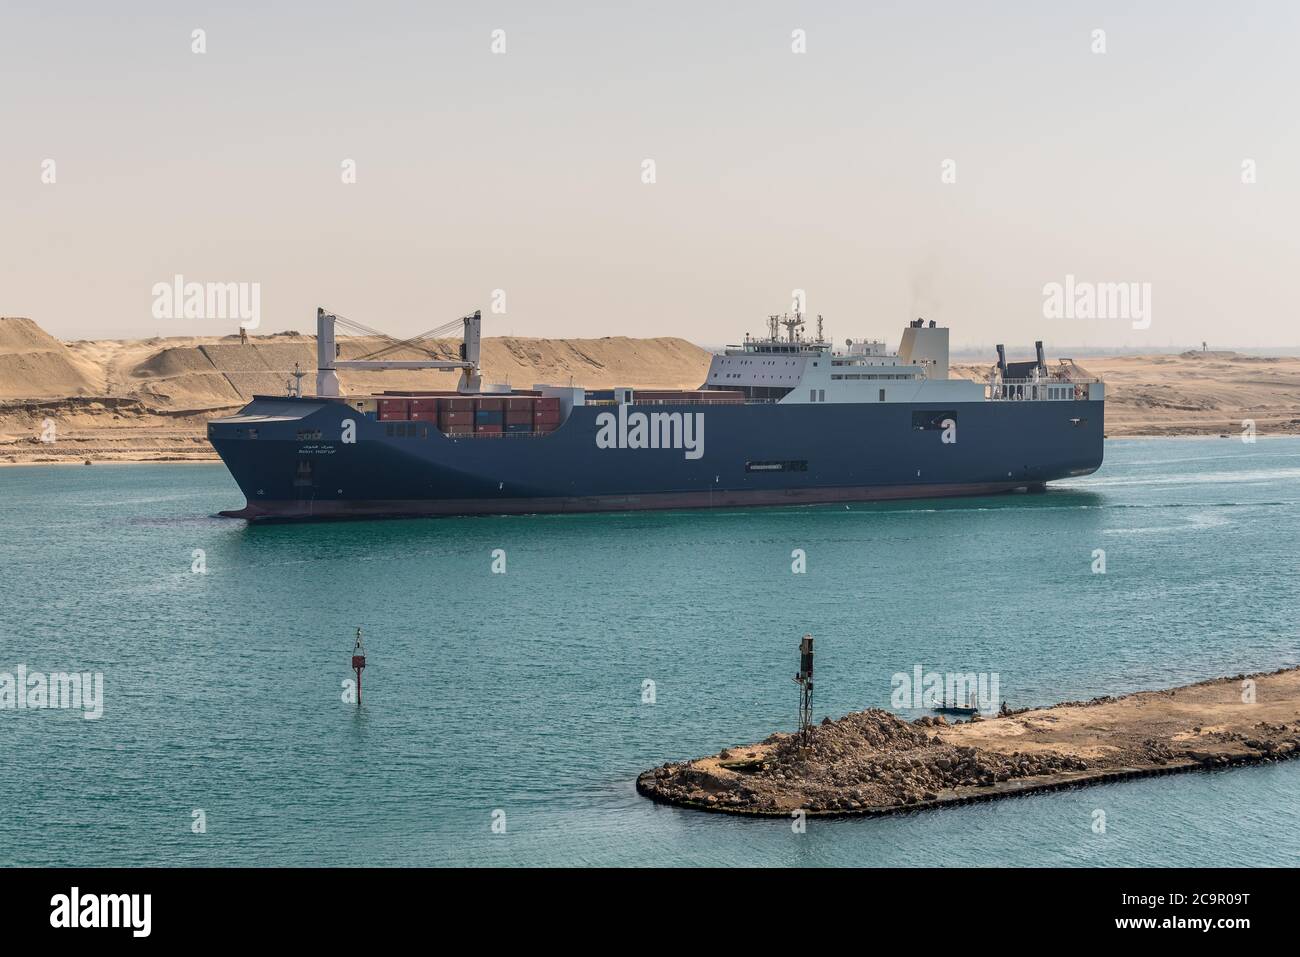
(291, 461)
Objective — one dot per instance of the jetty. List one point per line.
(873, 763)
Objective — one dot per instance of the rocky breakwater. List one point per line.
(873, 762)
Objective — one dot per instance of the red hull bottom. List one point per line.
(308, 510)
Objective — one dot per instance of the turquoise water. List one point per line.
(523, 692)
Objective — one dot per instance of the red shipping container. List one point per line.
(549, 403)
(489, 405)
(545, 426)
(448, 417)
(519, 417)
(488, 429)
(519, 404)
(457, 429)
(424, 417)
(394, 408)
(424, 405)
(458, 404)
(547, 421)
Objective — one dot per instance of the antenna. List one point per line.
(295, 387)
(792, 325)
(805, 681)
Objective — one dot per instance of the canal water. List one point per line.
(531, 699)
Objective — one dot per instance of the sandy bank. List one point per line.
(149, 399)
(873, 763)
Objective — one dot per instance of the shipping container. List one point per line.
(458, 404)
(425, 416)
(517, 403)
(390, 409)
(519, 426)
(546, 418)
(457, 429)
(544, 426)
(519, 416)
(492, 404)
(425, 405)
(549, 403)
(488, 417)
(488, 429)
(450, 417)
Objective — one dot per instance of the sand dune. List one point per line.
(34, 363)
(149, 399)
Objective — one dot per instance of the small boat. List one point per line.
(970, 707)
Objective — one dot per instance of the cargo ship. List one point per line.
(781, 419)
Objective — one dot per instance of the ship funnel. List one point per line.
(1002, 360)
(1042, 362)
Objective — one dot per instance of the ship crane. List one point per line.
(328, 362)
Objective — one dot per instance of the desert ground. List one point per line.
(872, 762)
(149, 399)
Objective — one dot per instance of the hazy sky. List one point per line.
(774, 170)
